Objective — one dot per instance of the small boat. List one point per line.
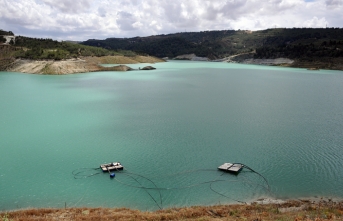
(107, 167)
(231, 167)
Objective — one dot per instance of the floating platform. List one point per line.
(231, 167)
(108, 167)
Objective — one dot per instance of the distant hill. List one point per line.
(212, 44)
(323, 46)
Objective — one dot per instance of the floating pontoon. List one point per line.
(231, 167)
(108, 167)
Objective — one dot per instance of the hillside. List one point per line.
(46, 56)
(308, 47)
(212, 44)
(48, 49)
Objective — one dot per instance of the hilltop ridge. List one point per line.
(307, 47)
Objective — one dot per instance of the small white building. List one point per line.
(8, 39)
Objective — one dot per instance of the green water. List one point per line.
(173, 126)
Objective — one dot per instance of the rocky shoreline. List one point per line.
(79, 65)
(276, 61)
(92, 64)
(247, 58)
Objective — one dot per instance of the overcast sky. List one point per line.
(100, 19)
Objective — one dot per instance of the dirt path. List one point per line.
(228, 59)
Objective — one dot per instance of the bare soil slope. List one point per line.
(71, 66)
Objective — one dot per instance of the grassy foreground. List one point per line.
(291, 210)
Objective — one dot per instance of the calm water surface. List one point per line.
(170, 128)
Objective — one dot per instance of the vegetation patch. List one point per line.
(305, 210)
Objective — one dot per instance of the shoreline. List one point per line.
(77, 65)
(285, 62)
(263, 209)
(93, 64)
(246, 58)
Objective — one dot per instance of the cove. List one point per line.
(170, 128)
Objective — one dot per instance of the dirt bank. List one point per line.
(276, 61)
(80, 65)
(290, 210)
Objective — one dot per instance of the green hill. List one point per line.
(48, 49)
(304, 45)
(35, 48)
(212, 44)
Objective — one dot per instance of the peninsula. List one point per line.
(46, 56)
(77, 65)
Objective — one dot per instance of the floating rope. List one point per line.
(268, 187)
(82, 173)
(79, 173)
(146, 190)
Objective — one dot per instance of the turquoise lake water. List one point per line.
(170, 128)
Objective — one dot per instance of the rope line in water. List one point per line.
(225, 195)
(146, 190)
(77, 173)
(80, 174)
(268, 187)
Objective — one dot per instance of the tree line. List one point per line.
(270, 43)
(39, 48)
(303, 44)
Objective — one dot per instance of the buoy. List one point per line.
(112, 175)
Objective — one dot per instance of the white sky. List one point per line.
(100, 19)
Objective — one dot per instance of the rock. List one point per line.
(85, 212)
(200, 59)
(185, 57)
(148, 68)
(191, 57)
(117, 68)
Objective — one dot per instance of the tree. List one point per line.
(2, 39)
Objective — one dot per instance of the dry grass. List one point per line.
(291, 210)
